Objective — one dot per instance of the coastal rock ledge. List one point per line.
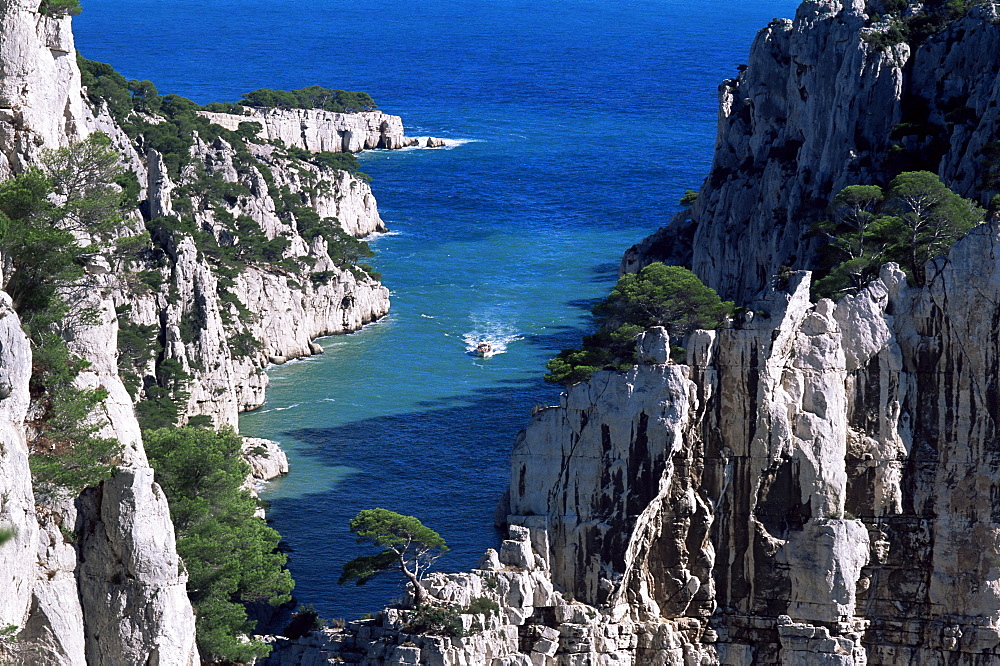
(316, 130)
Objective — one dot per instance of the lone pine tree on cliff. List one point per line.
(409, 547)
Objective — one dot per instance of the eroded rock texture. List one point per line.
(40, 103)
(817, 109)
(95, 578)
(316, 130)
(816, 485)
(820, 476)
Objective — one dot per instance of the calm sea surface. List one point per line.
(582, 124)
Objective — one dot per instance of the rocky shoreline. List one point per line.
(815, 484)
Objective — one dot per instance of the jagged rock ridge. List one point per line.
(818, 108)
(95, 578)
(814, 486)
(317, 131)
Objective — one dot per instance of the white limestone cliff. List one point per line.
(40, 102)
(815, 485)
(95, 579)
(317, 131)
(17, 501)
(814, 111)
(62, 620)
(289, 310)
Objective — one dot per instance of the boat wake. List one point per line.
(497, 337)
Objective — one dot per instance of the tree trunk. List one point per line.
(419, 594)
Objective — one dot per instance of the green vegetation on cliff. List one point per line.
(913, 22)
(207, 207)
(407, 546)
(911, 221)
(231, 556)
(659, 295)
(44, 265)
(60, 7)
(311, 97)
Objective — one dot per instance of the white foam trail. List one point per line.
(427, 316)
(375, 235)
(279, 409)
(498, 335)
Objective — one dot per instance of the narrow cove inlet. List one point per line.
(576, 131)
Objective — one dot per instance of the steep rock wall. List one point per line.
(17, 501)
(287, 309)
(815, 485)
(40, 102)
(95, 578)
(814, 111)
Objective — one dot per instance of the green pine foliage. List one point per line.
(60, 7)
(45, 259)
(915, 28)
(407, 546)
(166, 398)
(437, 620)
(911, 221)
(105, 85)
(311, 97)
(231, 556)
(170, 123)
(339, 161)
(659, 295)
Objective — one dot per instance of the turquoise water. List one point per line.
(582, 124)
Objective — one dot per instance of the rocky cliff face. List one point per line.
(317, 131)
(815, 485)
(17, 508)
(95, 578)
(282, 310)
(40, 103)
(816, 478)
(67, 602)
(820, 107)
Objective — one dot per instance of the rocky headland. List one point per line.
(316, 130)
(94, 577)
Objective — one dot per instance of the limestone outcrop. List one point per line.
(40, 102)
(17, 501)
(519, 620)
(814, 486)
(316, 130)
(266, 459)
(816, 109)
(94, 578)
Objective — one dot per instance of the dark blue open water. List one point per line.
(584, 122)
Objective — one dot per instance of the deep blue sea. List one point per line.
(582, 123)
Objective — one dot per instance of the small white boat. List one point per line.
(484, 349)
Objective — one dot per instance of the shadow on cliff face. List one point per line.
(446, 463)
